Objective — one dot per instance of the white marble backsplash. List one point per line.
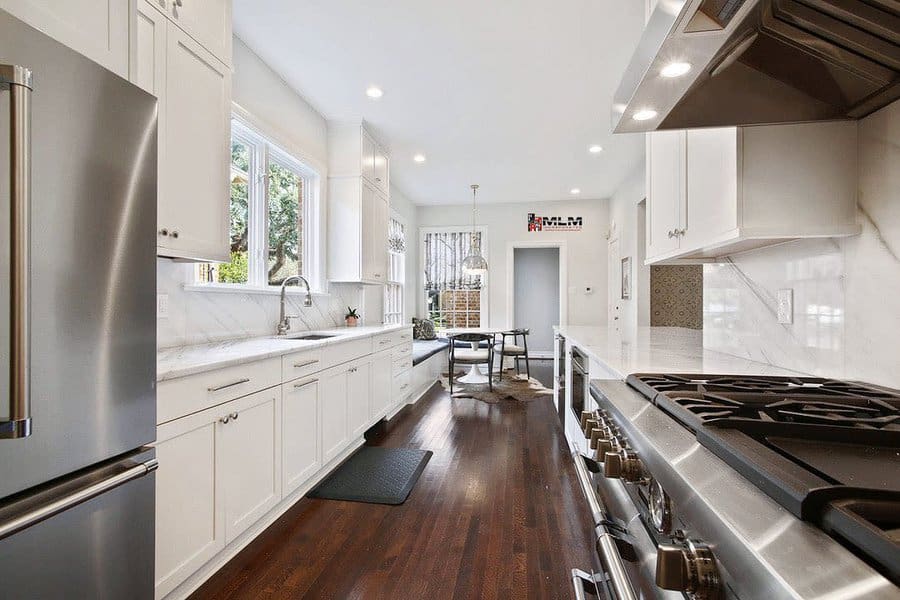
(202, 317)
(846, 319)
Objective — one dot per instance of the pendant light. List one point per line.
(474, 263)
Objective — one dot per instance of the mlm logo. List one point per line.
(536, 223)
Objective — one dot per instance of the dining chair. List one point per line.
(514, 349)
(472, 356)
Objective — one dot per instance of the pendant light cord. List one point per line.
(472, 241)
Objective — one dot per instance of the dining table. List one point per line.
(475, 374)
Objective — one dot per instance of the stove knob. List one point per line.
(604, 446)
(585, 416)
(589, 425)
(624, 465)
(596, 435)
(689, 568)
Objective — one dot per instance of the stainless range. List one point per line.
(720, 487)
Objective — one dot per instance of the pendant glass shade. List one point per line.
(474, 264)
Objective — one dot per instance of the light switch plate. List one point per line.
(786, 306)
(162, 306)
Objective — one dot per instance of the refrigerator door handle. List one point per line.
(26, 519)
(18, 79)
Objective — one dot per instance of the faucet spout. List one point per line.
(284, 321)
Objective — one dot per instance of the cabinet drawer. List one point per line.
(402, 387)
(186, 395)
(400, 365)
(301, 364)
(394, 338)
(346, 351)
(401, 351)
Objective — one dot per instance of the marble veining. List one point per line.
(659, 350)
(846, 321)
(172, 363)
(205, 317)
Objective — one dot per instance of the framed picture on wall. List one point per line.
(626, 278)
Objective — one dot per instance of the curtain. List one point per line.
(444, 254)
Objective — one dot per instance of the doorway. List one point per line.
(536, 296)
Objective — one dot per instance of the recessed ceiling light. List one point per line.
(675, 69)
(419, 158)
(374, 92)
(595, 149)
(644, 115)
(575, 191)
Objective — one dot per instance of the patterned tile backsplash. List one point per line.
(201, 317)
(846, 319)
(676, 296)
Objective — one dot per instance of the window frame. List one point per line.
(484, 313)
(266, 149)
(396, 284)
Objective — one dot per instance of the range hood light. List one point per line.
(644, 115)
(675, 69)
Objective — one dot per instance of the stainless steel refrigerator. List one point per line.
(77, 324)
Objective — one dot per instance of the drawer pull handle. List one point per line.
(224, 420)
(228, 385)
(305, 383)
(383, 342)
(234, 416)
(305, 363)
(404, 386)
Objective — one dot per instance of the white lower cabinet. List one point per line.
(381, 383)
(250, 459)
(299, 432)
(228, 463)
(190, 528)
(217, 475)
(333, 424)
(358, 398)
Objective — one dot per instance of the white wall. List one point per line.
(624, 223)
(507, 223)
(846, 307)
(197, 317)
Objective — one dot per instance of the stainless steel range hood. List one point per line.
(755, 62)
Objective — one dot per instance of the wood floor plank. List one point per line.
(496, 514)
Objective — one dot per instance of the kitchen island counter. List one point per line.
(657, 350)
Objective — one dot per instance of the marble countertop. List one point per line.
(659, 350)
(172, 363)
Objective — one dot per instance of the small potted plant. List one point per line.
(352, 317)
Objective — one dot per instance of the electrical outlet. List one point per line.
(162, 306)
(786, 306)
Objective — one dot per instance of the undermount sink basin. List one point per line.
(306, 335)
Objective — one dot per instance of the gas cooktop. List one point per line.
(827, 450)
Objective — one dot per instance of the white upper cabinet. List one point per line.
(97, 29)
(354, 152)
(194, 160)
(715, 192)
(357, 231)
(207, 21)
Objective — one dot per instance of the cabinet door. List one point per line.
(712, 179)
(368, 225)
(665, 191)
(250, 459)
(97, 29)
(148, 63)
(379, 235)
(359, 396)
(208, 22)
(381, 169)
(367, 166)
(299, 432)
(190, 528)
(333, 420)
(193, 208)
(381, 384)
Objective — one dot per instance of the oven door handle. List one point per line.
(580, 582)
(606, 543)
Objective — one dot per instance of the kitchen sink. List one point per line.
(306, 335)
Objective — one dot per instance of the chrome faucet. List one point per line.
(284, 321)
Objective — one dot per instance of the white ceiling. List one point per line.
(505, 94)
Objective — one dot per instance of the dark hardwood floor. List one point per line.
(497, 513)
